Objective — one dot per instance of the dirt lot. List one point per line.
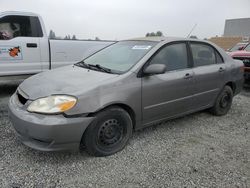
(199, 150)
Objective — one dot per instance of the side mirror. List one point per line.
(155, 69)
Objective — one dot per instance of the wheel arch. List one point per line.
(232, 85)
(125, 107)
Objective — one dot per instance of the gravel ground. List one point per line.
(199, 150)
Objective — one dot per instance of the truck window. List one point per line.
(19, 26)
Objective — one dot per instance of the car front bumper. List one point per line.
(46, 132)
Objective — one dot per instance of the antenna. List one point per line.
(192, 30)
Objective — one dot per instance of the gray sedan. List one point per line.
(127, 86)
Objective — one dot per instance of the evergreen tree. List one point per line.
(52, 34)
(159, 33)
(153, 34)
(67, 37)
(193, 37)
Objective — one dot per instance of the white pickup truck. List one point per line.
(25, 48)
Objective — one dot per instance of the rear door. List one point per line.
(169, 94)
(20, 45)
(209, 69)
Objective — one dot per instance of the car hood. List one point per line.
(241, 53)
(70, 80)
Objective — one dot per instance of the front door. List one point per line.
(169, 94)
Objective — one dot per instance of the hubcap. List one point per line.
(110, 132)
(225, 100)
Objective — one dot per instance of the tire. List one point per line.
(108, 133)
(223, 102)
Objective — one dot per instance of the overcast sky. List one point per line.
(122, 19)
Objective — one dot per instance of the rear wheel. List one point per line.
(108, 133)
(223, 102)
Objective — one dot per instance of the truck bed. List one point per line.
(66, 52)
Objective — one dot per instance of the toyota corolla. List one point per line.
(129, 85)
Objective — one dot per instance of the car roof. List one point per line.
(166, 39)
(18, 13)
(242, 43)
(153, 39)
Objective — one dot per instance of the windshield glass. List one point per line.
(121, 56)
(248, 48)
(237, 47)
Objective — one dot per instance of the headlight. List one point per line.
(52, 104)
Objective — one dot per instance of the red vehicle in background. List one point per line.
(243, 55)
(238, 46)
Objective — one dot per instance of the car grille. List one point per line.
(246, 60)
(21, 98)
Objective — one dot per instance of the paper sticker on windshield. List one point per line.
(10, 53)
(141, 47)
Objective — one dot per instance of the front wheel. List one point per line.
(223, 102)
(109, 132)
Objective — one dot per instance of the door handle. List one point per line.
(188, 76)
(31, 45)
(221, 69)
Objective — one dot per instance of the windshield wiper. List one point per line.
(95, 67)
(104, 69)
(82, 64)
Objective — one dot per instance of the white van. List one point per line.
(25, 48)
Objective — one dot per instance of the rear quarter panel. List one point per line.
(234, 72)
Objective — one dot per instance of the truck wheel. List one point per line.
(223, 102)
(108, 133)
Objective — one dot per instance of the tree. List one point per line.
(159, 33)
(74, 37)
(193, 37)
(152, 34)
(97, 38)
(52, 34)
(67, 37)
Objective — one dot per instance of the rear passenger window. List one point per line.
(19, 26)
(203, 54)
(174, 56)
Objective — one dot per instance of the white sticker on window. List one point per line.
(141, 47)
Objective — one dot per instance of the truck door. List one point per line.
(20, 45)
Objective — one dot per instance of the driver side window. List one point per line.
(174, 56)
(19, 26)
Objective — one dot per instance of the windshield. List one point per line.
(121, 56)
(248, 48)
(237, 47)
